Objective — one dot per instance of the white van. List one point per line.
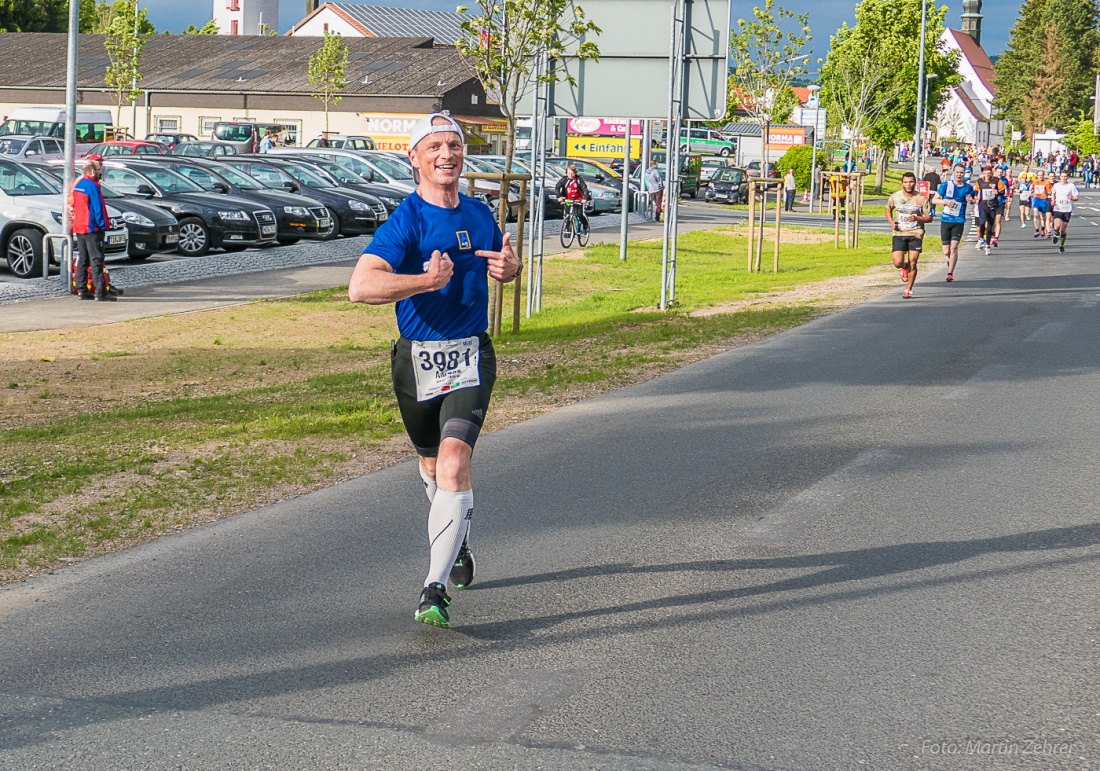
(92, 124)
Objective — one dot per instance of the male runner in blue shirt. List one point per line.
(433, 257)
(953, 196)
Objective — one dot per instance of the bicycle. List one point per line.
(573, 226)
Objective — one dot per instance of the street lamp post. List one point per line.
(924, 122)
(920, 81)
(813, 160)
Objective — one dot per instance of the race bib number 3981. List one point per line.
(445, 365)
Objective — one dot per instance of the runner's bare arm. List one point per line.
(503, 265)
(373, 281)
(890, 214)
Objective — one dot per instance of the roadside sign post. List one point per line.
(626, 193)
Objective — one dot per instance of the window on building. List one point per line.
(233, 5)
(206, 126)
(168, 125)
(326, 27)
(293, 129)
(234, 27)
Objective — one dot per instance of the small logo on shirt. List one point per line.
(463, 240)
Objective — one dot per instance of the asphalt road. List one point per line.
(870, 542)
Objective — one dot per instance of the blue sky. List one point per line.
(825, 16)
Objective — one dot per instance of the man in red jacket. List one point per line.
(90, 223)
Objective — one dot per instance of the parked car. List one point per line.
(690, 168)
(343, 143)
(30, 209)
(126, 147)
(171, 140)
(244, 136)
(489, 190)
(296, 217)
(754, 170)
(591, 172)
(353, 213)
(23, 147)
(206, 220)
(93, 124)
(390, 197)
(372, 165)
(617, 165)
(703, 140)
(203, 149)
(728, 185)
(708, 166)
(151, 229)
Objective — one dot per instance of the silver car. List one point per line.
(22, 147)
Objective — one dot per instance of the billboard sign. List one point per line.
(600, 147)
(604, 127)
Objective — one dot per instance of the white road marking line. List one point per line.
(800, 512)
(987, 374)
(1047, 332)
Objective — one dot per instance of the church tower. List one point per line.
(972, 19)
(246, 17)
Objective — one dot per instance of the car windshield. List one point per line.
(338, 171)
(48, 179)
(268, 176)
(391, 168)
(727, 175)
(171, 182)
(306, 177)
(229, 132)
(15, 180)
(31, 127)
(11, 146)
(243, 181)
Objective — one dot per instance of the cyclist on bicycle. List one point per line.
(572, 190)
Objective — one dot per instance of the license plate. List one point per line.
(325, 223)
(268, 230)
(116, 240)
(721, 195)
(172, 238)
(383, 216)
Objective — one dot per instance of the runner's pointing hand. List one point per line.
(439, 271)
(503, 265)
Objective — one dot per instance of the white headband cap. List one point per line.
(427, 125)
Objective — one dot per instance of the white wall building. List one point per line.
(967, 112)
(246, 17)
(354, 20)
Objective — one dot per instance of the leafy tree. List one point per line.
(1039, 105)
(99, 17)
(1082, 137)
(1075, 45)
(504, 40)
(327, 68)
(798, 158)
(34, 15)
(766, 55)
(783, 103)
(210, 28)
(124, 48)
(888, 31)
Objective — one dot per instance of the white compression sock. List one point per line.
(448, 522)
(429, 483)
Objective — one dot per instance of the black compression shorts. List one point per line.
(907, 243)
(1062, 215)
(951, 231)
(458, 414)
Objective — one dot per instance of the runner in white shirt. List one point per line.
(1064, 194)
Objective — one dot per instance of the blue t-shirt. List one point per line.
(406, 241)
(951, 192)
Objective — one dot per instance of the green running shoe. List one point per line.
(433, 606)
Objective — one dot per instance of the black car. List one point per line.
(297, 217)
(171, 139)
(353, 213)
(390, 197)
(728, 185)
(203, 149)
(151, 228)
(206, 220)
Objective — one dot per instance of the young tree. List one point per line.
(99, 17)
(327, 69)
(889, 30)
(1082, 138)
(766, 54)
(124, 46)
(210, 28)
(504, 40)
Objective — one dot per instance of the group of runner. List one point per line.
(989, 199)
